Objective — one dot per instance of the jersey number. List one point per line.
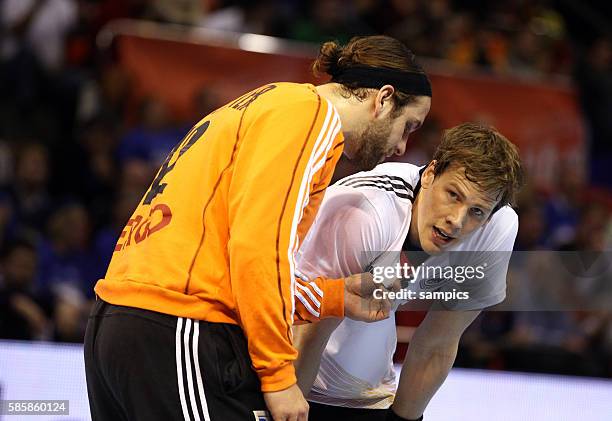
(157, 187)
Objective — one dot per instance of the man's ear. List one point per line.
(383, 101)
(428, 175)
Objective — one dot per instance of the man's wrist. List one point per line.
(333, 301)
(392, 416)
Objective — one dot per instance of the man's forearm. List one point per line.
(424, 371)
(310, 341)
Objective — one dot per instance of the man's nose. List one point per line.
(456, 218)
(400, 149)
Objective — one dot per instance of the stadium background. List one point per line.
(93, 94)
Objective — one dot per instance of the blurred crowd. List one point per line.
(76, 155)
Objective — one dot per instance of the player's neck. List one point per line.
(350, 109)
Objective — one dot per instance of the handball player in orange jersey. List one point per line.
(193, 318)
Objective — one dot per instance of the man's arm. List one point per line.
(430, 356)
(274, 170)
(311, 340)
(345, 236)
(352, 297)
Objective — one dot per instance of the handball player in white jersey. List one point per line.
(456, 212)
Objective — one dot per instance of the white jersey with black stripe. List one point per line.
(368, 213)
(365, 218)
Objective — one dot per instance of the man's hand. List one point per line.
(359, 301)
(287, 405)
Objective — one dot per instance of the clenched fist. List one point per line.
(287, 405)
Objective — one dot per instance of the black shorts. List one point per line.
(143, 365)
(321, 412)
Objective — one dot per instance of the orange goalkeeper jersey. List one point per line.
(215, 235)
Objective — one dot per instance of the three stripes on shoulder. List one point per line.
(397, 185)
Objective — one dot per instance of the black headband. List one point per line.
(411, 83)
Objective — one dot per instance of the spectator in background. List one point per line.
(184, 12)
(549, 342)
(547, 289)
(406, 20)
(491, 49)
(7, 220)
(69, 315)
(204, 102)
(562, 206)
(593, 75)
(593, 275)
(545, 333)
(589, 243)
(68, 270)
(136, 176)
(97, 172)
(482, 343)
(531, 221)
(382, 15)
(458, 40)
(37, 27)
(527, 55)
(108, 99)
(270, 17)
(329, 19)
(80, 41)
(106, 238)
(24, 312)
(29, 190)
(590, 229)
(153, 137)
(6, 162)
(32, 51)
(66, 260)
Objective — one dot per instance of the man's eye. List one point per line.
(478, 212)
(452, 194)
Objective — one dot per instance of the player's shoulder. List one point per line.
(505, 216)
(389, 189)
(502, 223)
(339, 198)
(293, 102)
(395, 181)
(288, 94)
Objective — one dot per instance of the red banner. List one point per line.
(544, 121)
